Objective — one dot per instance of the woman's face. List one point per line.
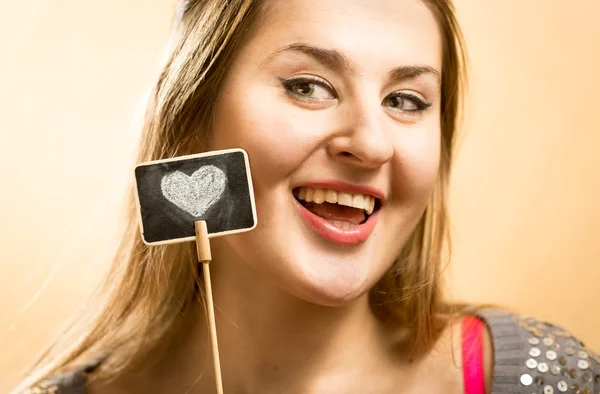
(337, 102)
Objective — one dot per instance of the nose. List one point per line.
(362, 138)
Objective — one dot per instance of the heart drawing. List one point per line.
(194, 194)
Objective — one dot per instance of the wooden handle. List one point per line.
(213, 328)
(204, 256)
(202, 242)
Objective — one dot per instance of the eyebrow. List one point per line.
(336, 60)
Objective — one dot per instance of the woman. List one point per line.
(337, 102)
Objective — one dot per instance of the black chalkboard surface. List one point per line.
(174, 193)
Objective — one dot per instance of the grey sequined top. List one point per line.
(530, 356)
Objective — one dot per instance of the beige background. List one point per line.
(525, 187)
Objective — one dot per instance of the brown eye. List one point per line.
(309, 88)
(406, 102)
(398, 102)
(304, 89)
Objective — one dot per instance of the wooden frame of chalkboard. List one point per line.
(168, 217)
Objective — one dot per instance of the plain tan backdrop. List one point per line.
(525, 187)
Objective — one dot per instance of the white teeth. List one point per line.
(345, 199)
(342, 225)
(309, 195)
(331, 196)
(367, 203)
(319, 196)
(360, 201)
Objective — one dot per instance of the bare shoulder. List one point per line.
(444, 362)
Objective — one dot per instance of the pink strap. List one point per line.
(472, 355)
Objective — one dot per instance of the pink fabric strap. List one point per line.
(472, 355)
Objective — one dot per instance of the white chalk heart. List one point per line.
(194, 194)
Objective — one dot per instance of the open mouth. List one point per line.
(343, 210)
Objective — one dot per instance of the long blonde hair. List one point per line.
(138, 309)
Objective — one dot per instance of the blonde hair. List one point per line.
(140, 306)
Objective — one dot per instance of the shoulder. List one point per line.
(538, 356)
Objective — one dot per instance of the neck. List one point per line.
(271, 341)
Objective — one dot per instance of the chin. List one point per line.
(333, 296)
(318, 271)
(329, 283)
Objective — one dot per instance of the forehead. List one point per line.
(371, 34)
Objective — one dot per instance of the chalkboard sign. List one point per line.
(174, 193)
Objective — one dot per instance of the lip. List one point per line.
(346, 187)
(352, 236)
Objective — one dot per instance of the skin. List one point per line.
(352, 134)
(292, 307)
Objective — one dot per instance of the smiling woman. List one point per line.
(348, 112)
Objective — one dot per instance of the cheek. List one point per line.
(417, 163)
(271, 131)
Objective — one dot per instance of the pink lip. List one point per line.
(352, 236)
(346, 187)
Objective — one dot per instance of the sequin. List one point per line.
(562, 386)
(562, 360)
(534, 341)
(526, 379)
(573, 373)
(531, 363)
(586, 390)
(575, 388)
(542, 367)
(582, 354)
(551, 355)
(548, 341)
(555, 369)
(548, 390)
(534, 352)
(539, 381)
(586, 377)
(582, 364)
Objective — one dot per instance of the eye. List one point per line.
(406, 102)
(309, 88)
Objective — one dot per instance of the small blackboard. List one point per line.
(174, 193)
